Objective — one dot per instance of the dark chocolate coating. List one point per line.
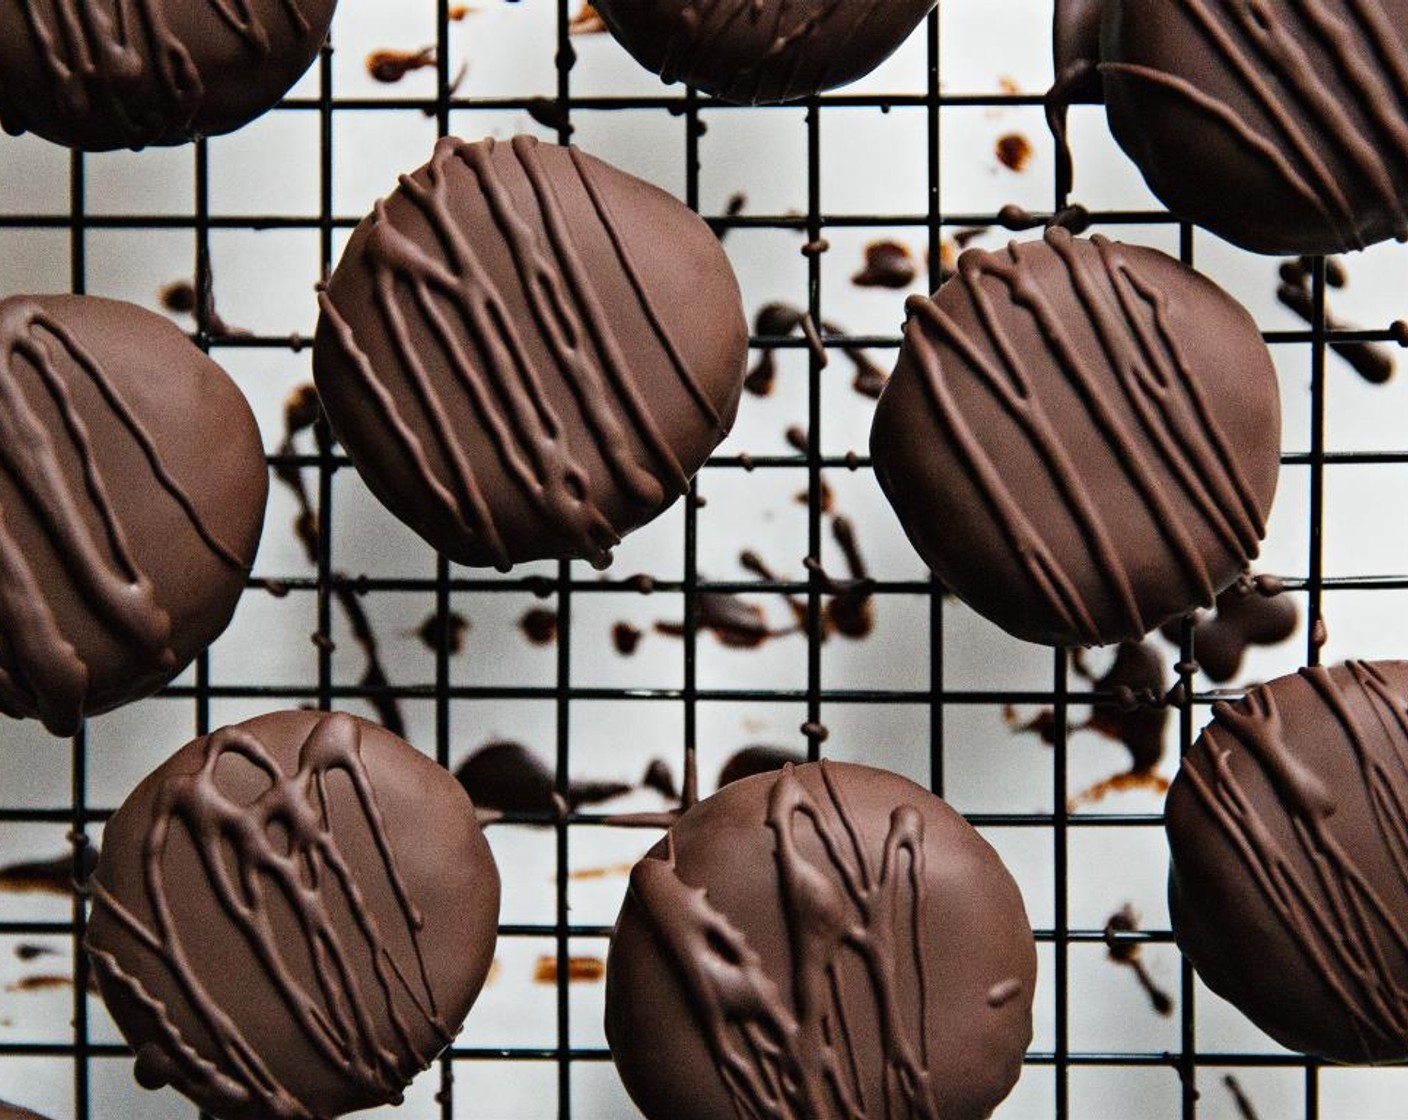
(828, 941)
(1280, 126)
(132, 489)
(754, 52)
(292, 917)
(528, 353)
(13, 1112)
(106, 74)
(1288, 824)
(1081, 438)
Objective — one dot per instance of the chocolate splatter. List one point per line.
(851, 610)
(660, 778)
(27, 952)
(757, 759)
(1014, 151)
(178, 297)
(1129, 954)
(549, 112)
(1374, 363)
(508, 777)
(735, 622)
(45, 982)
(797, 438)
(301, 413)
(1239, 1097)
(182, 297)
(50, 876)
(1016, 218)
(754, 564)
(390, 66)
(580, 970)
(451, 628)
(816, 248)
(1252, 612)
(888, 264)
(815, 732)
(781, 320)
(539, 626)
(626, 638)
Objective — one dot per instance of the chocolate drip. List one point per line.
(41, 672)
(1146, 395)
(1328, 88)
(104, 53)
(280, 848)
(794, 1059)
(1318, 886)
(495, 371)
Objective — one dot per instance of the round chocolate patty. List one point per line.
(132, 489)
(528, 353)
(292, 917)
(1288, 823)
(1282, 127)
(105, 74)
(814, 942)
(756, 51)
(1081, 438)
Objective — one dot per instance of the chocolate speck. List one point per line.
(580, 970)
(815, 732)
(586, 22)
(626, 638)
(1244, 1105)
(816, 248)
(179, 297)
(756, 759)
(1128, 953)
(1372, 362)
(508, 777)
(390, 66)
(796, 437)
(27, 952)
(660, 778)
(539, 626)
(452, 628)
(888, 264)
(1014, 151)
(52, 876)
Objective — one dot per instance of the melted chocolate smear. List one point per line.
(735, 622)
(539, 626)
(1014, 151)
(1374, 363)
(756, 759)
(450, 629)
(301, 413)
(1239, 1097)
(580, 970)
(51, 876)
(888, 264)
(781, 320)
(626, 638)
(1129, 954)
(46, 982)
(509, 778)
(586, 22)
(1252, 612)
(1016, 218)
(390, 66)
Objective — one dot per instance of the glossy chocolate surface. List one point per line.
(829, 941)
(528, 353)
(1081, 438)
(292, 917)
(1280, 126)
(105, 74)
(1288, 825)
(758, 51)
(132, 490)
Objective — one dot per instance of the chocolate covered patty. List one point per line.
(829, 941)
(1081, 438)
(1288, 824)
(1280, 126)
(292, 917)
(528, 353)
(756, 51)
(132, 490)
(105, 74)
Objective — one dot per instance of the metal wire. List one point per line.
(814, 695)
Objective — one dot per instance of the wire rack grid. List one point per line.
(1054, 1063)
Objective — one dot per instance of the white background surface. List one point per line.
(871, 162)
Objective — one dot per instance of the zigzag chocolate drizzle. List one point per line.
(1335, 112)
(360, 1031)
(105, 50)
(1145, 402)
(486, 351)
(1317, 888)
(41, 673)
(795, 1060)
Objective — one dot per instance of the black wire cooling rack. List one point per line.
(1196, 1069)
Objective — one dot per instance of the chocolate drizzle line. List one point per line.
(103, 52)
(362, 1034)
(792, 1061)
(41, 672)
(494, 370)
(705, 22)
(1147, 389)
(1359, 117)
(1344, 925)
